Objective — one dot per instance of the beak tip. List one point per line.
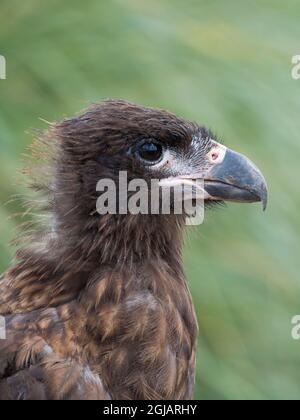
(264, 196)
(265, 203)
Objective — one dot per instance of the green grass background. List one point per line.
(226, 64)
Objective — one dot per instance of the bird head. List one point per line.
(148, 144)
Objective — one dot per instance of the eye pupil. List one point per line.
(150, 152)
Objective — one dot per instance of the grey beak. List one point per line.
(237, 179)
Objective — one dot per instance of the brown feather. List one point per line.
(98, 307)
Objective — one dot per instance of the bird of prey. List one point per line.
(96, 306)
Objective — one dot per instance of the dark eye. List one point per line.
(150, 152)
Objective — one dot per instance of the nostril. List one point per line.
(217, 155)
(214, 156)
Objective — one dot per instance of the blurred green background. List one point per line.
(226, 64)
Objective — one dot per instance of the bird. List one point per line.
(97, 306)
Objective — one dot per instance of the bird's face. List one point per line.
(225, 174)
(153, 144)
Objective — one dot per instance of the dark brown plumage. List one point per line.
(97, 307)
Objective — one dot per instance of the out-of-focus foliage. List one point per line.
(226, 64)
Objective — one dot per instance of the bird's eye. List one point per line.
(150, 152)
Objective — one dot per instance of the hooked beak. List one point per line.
(237, 179)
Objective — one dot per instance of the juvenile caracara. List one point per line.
(97, 307)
